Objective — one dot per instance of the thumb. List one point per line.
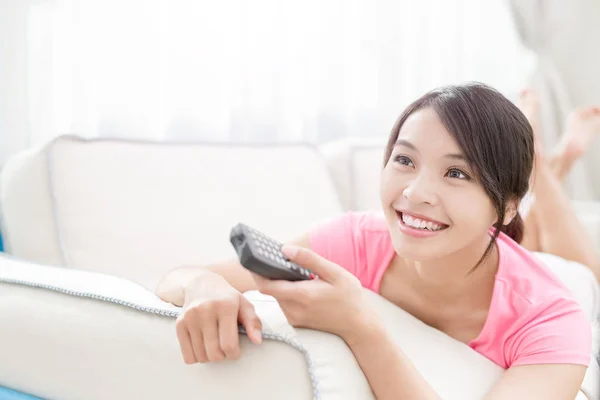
(308, 259)
(250, 321)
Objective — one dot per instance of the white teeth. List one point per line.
(420, 224)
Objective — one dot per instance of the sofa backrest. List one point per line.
(137, 209)
(355, 166)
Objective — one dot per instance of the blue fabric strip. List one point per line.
(7, 394)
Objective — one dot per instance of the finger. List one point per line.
(185, 342)
(307, 258)
(250, 321)
(210, 334)
(228, 335)
(198, 345)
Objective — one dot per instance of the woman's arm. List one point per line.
(392, 375)
(171, 287)
(336, 303)
(539, 381)
(389, 371)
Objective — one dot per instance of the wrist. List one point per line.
(366, 330)
(203, 284)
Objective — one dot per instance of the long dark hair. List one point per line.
(495, 137)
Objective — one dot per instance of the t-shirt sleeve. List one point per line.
(338, 239)
(556, 332)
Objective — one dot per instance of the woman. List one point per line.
(456, 165)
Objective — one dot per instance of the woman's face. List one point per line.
(433, 204)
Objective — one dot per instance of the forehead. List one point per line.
(425, 130)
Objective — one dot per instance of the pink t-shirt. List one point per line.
(533, 318)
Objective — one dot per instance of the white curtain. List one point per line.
(559, 34)
(240, 70)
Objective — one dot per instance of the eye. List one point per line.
(403, 160)
(457, 173)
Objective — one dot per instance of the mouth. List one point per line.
(418, 225)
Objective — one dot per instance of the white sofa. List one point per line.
(92, 225)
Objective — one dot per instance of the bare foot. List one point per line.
(582, 127)
(529, 103)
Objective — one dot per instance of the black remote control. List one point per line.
(262, 255)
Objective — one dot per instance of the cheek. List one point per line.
(471, 210)
(389, 186)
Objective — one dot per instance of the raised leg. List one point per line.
(551, 225)
(559, 230)
(530, 106)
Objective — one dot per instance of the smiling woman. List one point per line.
(446, 250)
(449, 156)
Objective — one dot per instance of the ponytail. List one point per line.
(515, 229)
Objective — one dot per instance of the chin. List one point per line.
(415, 252)
(417, 248)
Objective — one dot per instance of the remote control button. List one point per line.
(312, 276)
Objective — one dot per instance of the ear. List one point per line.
(511, 211)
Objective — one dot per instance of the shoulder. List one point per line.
(555, 330)
(543, 321)
(526, 275)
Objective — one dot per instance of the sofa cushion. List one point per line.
(137, 209)
(356, 166)
(26, 208)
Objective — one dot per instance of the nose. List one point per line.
(420, 190)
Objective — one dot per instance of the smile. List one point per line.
(419, 227)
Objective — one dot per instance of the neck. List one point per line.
(451, 277)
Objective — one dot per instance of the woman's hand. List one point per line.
(332, 303)
(207, 328)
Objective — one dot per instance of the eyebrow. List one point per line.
(406, 143)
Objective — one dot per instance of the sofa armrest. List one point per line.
(73, 334)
